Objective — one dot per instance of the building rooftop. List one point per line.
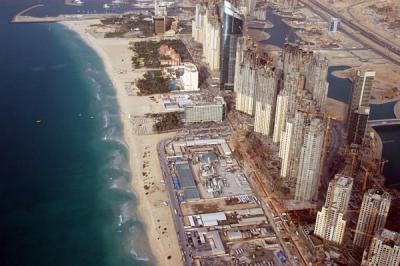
(191, 193)
(185, 174)
(389, 237)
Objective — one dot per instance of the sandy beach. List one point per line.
(146, 172)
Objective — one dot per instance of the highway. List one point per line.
(174, 205)
(326, 13)
(384, 122)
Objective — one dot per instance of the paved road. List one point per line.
(175, 209)
(384, 122)
(326, 13)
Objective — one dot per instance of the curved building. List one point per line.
(232, 28)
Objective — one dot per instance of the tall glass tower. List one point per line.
(232, 28)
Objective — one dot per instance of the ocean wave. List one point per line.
(118, 140)
(122, 184)
(109, 119)
(137, 257)
(128, 214)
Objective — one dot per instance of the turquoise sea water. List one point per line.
(65, 197)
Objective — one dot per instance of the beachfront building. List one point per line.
(205, 111)
(190, 77)
(330, 223)
(168, 56)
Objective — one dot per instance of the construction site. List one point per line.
(223, 219)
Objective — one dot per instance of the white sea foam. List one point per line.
(120, 183)
(137, 257)
(118, 140)
(128, 213)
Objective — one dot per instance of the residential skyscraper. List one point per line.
(384, 249)
(198, 23)
(156, 8)
(267, 88)
(330, 223)
(315, 72)
(357, 125)
(358, 104)
(372, 217)
(310, 159)
(245, 76)
(290, 144)
(282, 102)
(361, 89)
(206, 29)
(232, 28)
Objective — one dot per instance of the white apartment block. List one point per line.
(384, 249)
(330, 223)
(190, 77)
(245, 77)
(207, 30)
(310, 157)
(291, 141)
(372, 217)
(286, 143)
(265, 101)
(211, 44)
(205, 111)
(280, 116)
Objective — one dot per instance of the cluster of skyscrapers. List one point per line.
(380, 246)
(217, 26)
(286, 96)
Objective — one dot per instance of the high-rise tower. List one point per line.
(330, 224)
(310, 157)
(267, 88)
(358, 109)
(372, 217)
(384, 249)
(232, 28)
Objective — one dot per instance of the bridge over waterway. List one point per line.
(384, 122)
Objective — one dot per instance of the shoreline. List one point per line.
(142, 149)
